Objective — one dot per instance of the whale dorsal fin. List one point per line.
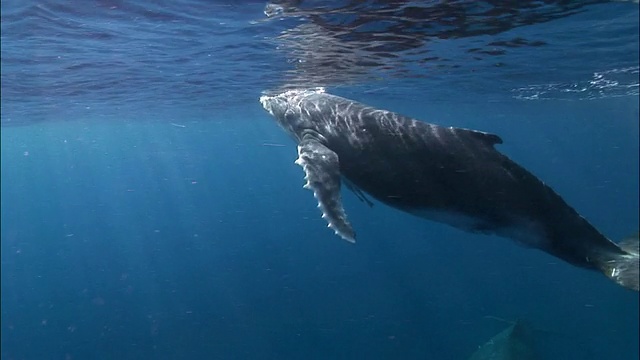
(488, 138)
(322, 173)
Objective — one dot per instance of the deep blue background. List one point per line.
(180, 231)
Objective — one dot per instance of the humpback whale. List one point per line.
(513, 343)
(450, 175)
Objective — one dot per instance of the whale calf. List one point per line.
(513, 343)
(445, 174)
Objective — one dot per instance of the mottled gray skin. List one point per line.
(445, 174)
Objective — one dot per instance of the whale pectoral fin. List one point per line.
(322, 173)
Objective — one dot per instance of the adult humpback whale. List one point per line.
(445, 174)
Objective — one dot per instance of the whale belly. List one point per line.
(524, 231)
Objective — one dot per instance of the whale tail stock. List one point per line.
(624, 268)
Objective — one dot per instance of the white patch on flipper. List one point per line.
(322, 176)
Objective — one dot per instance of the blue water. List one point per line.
(150, 209)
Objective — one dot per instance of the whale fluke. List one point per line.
(624, 268)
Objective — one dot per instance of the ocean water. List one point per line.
(151, 209)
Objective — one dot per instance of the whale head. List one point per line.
(275, 105)
(286, 109)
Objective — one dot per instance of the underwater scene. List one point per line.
(313, 179)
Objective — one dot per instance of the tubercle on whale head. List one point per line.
(284, 107)
(273, 104)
